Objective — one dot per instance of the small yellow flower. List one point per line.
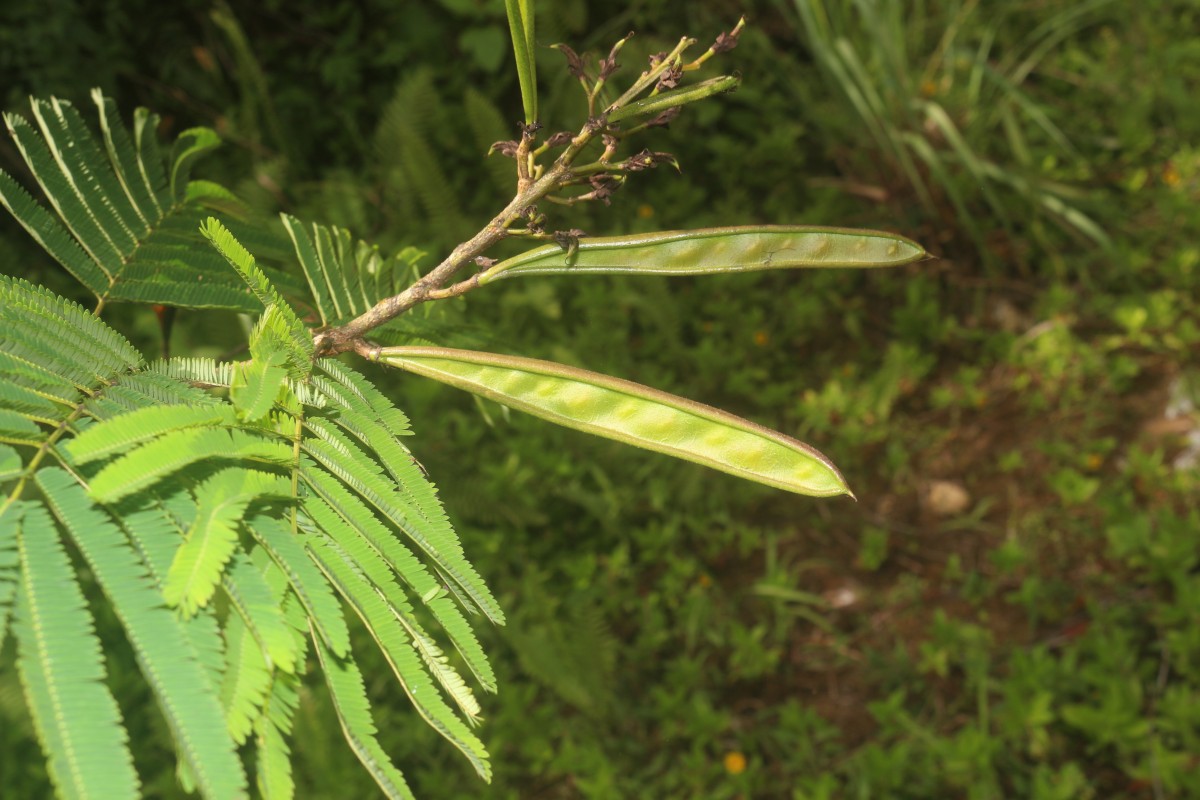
(735, 763)
(704, 580)
(1170, 175)
(645, 211)
(1094, 460)
(761, 338)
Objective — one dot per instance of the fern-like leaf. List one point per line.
(58, 657)
(274, 725)
(212, 537)
(297, 336)
(306, 581)
(345, 683)
(274, 763)
(252, 598)
(256, 385)
(173, 451)
(9, 558)
(128, 430)
(346, 277)
(168, 663)
(247, 679)
(111, 204)
(373, 567)
(167, 482)
(344, 460)
(331, 497)
(399, 651)
(155, 534)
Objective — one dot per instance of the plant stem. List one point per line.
(340, 339)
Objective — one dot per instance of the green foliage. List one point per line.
(127, 215)
(1040, 643)
(939, 118)
(227, 508)
(198, 498)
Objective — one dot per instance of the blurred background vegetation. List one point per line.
(1009, 611)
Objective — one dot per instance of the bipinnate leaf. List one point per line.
(281, 322)
(253, 599)
(124, 432)
(58, 657)
(213, 535)
(173, 451)
(246, 681)
(706, 251)
(631, 413)
(255, 386)
(161, 641)
(353, 709)
(9, 559)
(115, 220)
(385, 626)
(308, 582)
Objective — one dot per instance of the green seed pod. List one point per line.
(630, 413)
(711, 250)
(675, 98)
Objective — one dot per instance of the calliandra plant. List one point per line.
(230, 514)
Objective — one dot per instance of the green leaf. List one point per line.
(713, 250)
(331, 497)
(9, 561)
(349, 695)
(631, 413)
(520, 26)
(16, 429)
(398, 649)
(115, 221)
(382, 408)
(173, 451)
(255, 386)
(306, 580)
(80, 329)
(51, 235)
(155, 534)
(372, 566)
(163, 649)
(252, 598)
(189, 147)
(124, 159)
(346, 277)
(123, 432)
(274, 758)
(247, 679)
(436, 538)
(59, 660)
(213, 535)
(296, 335)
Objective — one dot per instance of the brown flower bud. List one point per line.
(727, 41)
(648, 160)
(609, 65)
(670, 79)
(504, 148)
(664, 118)
(574, 62)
